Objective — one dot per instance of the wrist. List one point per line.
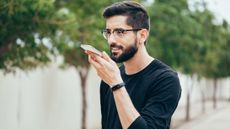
(115, 82)
(117, 86)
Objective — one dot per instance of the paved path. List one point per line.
(219, 119)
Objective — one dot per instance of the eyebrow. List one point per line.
(117, 29)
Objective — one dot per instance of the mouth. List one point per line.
(115, 50)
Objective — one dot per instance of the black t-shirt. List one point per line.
(154, 91)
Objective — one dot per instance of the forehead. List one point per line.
(117, 22)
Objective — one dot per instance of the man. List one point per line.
(144, 92)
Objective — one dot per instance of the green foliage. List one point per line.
(33, 31)
(172, 34)
(217, 60)
(188, 40)
(87, 30)
(26, 29)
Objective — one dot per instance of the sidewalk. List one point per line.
(211, 119)
(217, 120)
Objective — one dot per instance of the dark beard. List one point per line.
(127, 53)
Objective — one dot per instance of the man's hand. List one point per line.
(106, 68)
(109, 72)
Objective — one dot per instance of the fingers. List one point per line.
(92, 60)
(89, 52)
(105, 56)
(99, 61)
(92, 53)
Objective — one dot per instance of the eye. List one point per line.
(107, 31)
(120, 31)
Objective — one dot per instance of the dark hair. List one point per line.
(137, 15)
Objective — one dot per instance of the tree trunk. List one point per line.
(187, 107)
(214, 93)
(188, 96)
(83, 75)
(4, 47)
(229, 88)
(203, 99)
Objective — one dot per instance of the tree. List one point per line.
(217, 58)
(33, 32)
(173, 32)
(27, 28)
(86, 31)
(181, 38)
(215, 38)
(38, 30)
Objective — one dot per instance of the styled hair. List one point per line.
(137, 16)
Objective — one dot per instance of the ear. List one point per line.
(143, 35)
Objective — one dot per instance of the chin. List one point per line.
(116, 55)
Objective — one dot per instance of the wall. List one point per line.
(47, 98)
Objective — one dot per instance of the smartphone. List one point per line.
(90, 48)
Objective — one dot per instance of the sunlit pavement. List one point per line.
(219, 119)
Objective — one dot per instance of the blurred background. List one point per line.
(47, 83)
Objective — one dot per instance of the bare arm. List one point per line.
(125, 108)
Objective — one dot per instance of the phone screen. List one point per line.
(90, 48)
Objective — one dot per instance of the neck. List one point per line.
(137, 63)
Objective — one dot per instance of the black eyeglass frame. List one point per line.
(120, 30)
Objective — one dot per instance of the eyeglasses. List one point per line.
(117, 33)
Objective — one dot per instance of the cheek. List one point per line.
(129, 40)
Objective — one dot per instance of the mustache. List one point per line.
(113, 45)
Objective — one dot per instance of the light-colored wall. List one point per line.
(50, 98)
(47, 98)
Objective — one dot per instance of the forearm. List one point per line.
(125, 108)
